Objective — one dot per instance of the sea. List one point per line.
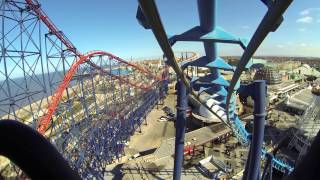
(35, 87)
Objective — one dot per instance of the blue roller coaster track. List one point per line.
(214, 83)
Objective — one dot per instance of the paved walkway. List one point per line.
(154, 132)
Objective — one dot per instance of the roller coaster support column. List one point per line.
(182, 106)
(268, 165)
(207, 13)
(257, 90)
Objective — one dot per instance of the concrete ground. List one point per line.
(148, 167)
(155, 131)
(151, 137)
(163, 168)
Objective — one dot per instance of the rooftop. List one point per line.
(269, 74)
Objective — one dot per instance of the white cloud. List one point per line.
(309, 15)
(309, 11)
(289, 43)
(303, 44)
(306, 19)
(245, 27)
(280, 46)
(305, 12)
(302, 29)
(310, 49)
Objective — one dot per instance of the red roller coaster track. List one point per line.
(34, 5)
(55, 99)
(45, 120)
(57, 96)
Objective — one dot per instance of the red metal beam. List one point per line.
(57, 96)
(45, 120)
(35, 6)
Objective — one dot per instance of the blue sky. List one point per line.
(112, 26)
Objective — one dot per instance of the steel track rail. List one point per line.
(269, 23)
(150, 11)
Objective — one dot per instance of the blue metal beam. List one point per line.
(209, 34)
(257, 90)
(207, 15)
(182, 105)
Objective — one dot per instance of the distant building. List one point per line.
(306, 70)
(280, 90)
(252, 62)
(285, 66)
(256, 63)
(269, 74)
(298, 102)
(155, 63)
